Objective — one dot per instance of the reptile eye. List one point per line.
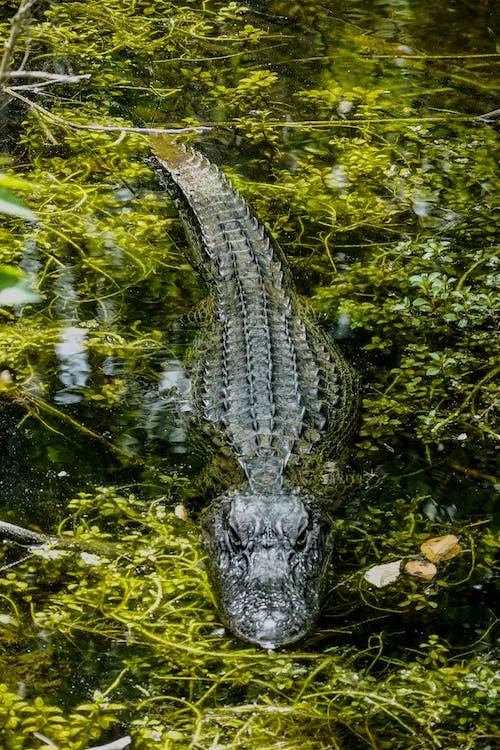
(301, 541)
(234, 538)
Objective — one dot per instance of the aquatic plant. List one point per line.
(133, 581)
(384, 205)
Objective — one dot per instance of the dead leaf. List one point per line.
(181, 512)
(383, 575)
(441, 548)
(421, 569)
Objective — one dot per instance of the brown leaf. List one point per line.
(421, 569)
(441, 548)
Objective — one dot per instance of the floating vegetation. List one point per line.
(124, 608)
(362, 135)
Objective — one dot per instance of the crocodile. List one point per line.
(276, 388)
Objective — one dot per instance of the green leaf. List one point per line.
(11, 205)
(14, 287)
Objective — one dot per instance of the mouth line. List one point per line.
(271, 644)
(267, 635)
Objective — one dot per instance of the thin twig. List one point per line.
(475, 56)
(40, 405)
(27, 46)
(102, 128)
(15, 30)
(59, 77)
(35, 86)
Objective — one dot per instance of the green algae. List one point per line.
(170, 676)
(385, 206)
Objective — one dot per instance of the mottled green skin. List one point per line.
(275, 387)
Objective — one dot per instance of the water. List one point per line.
(375, 156)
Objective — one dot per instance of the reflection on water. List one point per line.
(166, 408)
(175, 388)
(73, 365)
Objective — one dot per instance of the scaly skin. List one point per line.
(274, 386)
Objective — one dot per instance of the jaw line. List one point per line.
(267, 644)
(278, 635)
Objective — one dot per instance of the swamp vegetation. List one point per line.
(363, 134)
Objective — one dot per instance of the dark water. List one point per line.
(149, 422)
(140, 437)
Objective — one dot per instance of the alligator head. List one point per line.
(268, 555)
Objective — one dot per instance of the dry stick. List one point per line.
(12, 533)
(27, 45)
(489, 116)
(43, 80)
(36, 87)
(15, 30)
(375, 56)
(439, 57)
(57, 77)
(101, 128)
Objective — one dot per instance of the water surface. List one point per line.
(351, 130)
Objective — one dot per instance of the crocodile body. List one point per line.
(275, 387)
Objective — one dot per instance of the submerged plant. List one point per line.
(385, 206)
(133, 578)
